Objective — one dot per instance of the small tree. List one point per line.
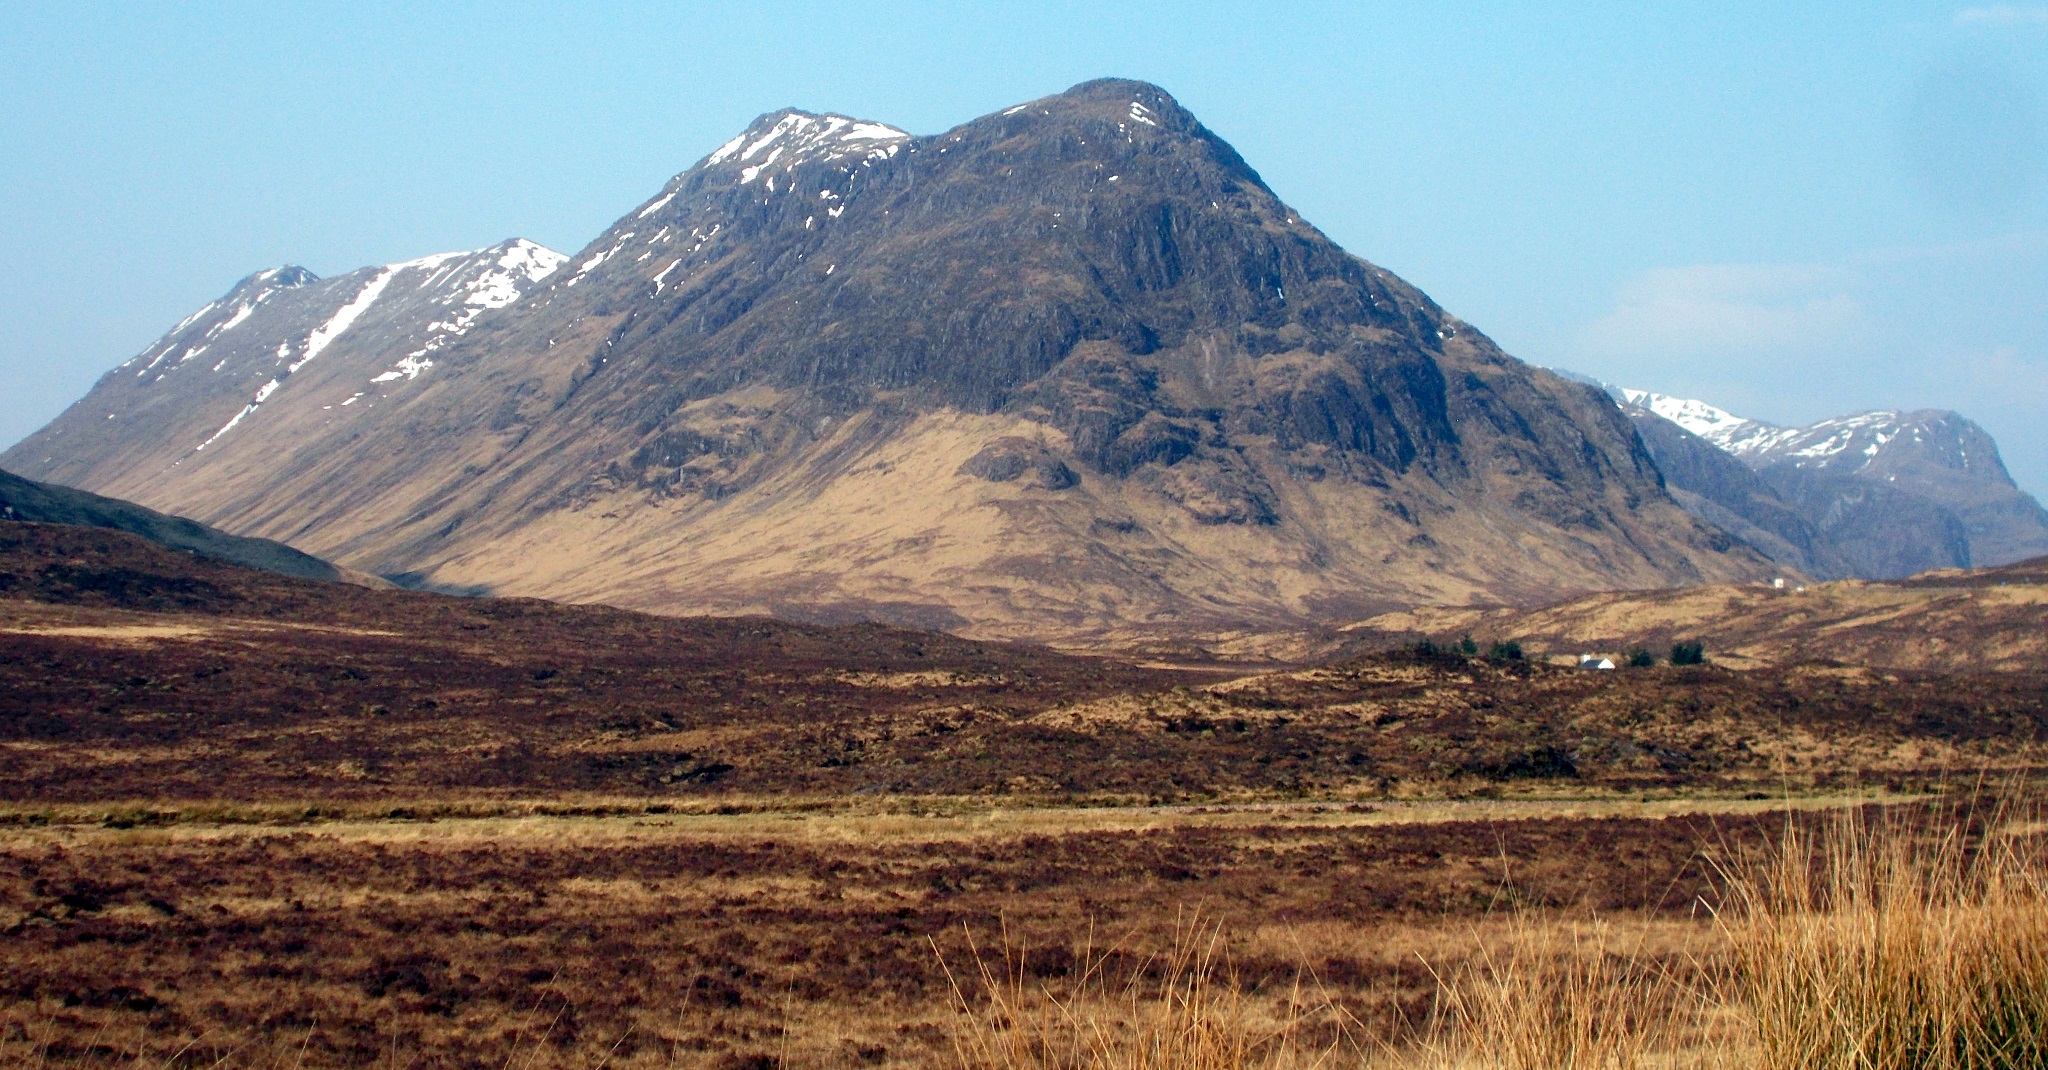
(1641, 659)
(1508, 651)
(1693, 653)
(1467, 647)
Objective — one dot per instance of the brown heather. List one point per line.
(258, 822)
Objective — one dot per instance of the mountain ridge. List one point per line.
(1881, 494)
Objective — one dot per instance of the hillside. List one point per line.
(1069, 372)
(27, 501)
(1948, 621)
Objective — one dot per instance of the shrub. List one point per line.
(1508, 651)
(1467, 647)
(1693, 653)
(1641, 659)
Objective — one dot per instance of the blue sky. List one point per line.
(1792, 211)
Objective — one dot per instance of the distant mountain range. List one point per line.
(1873, 495)
(1068, 372)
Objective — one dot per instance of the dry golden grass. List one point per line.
(1536, 994)
(1905, 942)
(1180, 1008)
(1904, 939)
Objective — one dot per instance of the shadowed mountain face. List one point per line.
(1068, 372)
(27, 501)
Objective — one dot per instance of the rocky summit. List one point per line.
(1069, 372)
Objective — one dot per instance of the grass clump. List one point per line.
(1182, 1009)
(1558, 996)
(1902, 940)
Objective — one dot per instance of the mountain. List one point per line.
(298, 355)
(1886, 494)
(1068, 372)
(27, 501)
(1714, 486)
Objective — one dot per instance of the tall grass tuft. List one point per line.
(1179, 1010)
(1554, 995)
(1908, 939)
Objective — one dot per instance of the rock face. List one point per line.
(1875, 495)
(1068, 372)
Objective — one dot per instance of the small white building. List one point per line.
(1595, 661)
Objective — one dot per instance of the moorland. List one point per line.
(252, 820)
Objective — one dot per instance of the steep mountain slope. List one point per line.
(27, 501)
(284, 360)
(1712, 485)
(1888, 494)
(1066, 372)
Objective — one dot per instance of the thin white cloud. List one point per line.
(1956, 326)
(1729, 310)
(2003, 15)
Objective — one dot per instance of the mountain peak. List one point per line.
(1132, 106)
(1875, 494)
(277, 278)
(791, 136)
(1125, 91)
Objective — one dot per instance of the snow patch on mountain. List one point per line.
(795, 138)
(325, 334)
(1864, 434)
(262, 395)
(498, 283)
(241, 314)
(1698, 417)
(590, 265)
